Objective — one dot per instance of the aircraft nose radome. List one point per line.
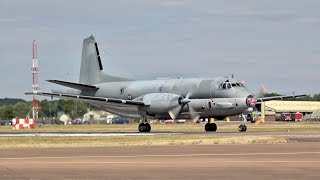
(251, 101)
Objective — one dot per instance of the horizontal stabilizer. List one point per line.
(74, 85)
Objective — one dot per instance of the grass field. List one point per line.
(68, 142)
(182, 139)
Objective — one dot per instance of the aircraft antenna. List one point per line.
(35, 86)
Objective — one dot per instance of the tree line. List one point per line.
(48, 109)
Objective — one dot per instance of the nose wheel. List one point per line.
(242, 128)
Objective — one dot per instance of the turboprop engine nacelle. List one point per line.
(161, 102)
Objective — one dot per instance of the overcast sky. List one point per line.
(275, 42)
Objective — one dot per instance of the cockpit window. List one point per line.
(224, 86)
(227, 85)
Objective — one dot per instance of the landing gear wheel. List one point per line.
(141, 127)
(148, 127)
(242, 128)
(214, 126)
(144, 127)
(209, 127)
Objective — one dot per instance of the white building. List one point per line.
(97, 117)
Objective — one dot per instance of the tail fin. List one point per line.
(91, 67)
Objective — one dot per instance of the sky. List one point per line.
(274, 42)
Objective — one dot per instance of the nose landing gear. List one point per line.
(243, 127)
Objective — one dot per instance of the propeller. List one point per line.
(174, 112)
(193, 114)
(263, 88)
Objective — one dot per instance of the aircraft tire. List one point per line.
(242, 128)
(148, 127)
(214, 126)
(209, 127)
(144, 127)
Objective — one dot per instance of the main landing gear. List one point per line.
(144, 126)
(210, 127)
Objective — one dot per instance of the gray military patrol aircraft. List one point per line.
(192, 98)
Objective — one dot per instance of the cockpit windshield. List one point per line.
(228, 85)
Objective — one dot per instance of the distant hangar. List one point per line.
(309, 109)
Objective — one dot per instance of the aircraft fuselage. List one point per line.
(207, 96)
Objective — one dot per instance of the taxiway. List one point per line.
(255, 161)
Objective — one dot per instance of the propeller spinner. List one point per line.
(251, 101)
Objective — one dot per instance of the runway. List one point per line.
(256, 161)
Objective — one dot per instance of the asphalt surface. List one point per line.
(258, 161)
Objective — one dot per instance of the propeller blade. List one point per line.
(193, 114)
(175, 112)
(263, 88)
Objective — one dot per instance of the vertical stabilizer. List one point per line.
(91, 66)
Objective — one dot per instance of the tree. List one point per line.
(270, 94)
(7, 112)
(21, 109)
(74, 108)
(316, 97)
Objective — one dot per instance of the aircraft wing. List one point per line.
(279, 97)
(89, 98)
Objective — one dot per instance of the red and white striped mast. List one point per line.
(35, 86)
